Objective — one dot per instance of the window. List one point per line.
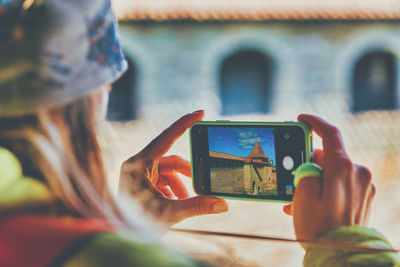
(374, 82)
(122, 99)
(246, 83)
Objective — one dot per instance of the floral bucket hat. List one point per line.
(55, 51)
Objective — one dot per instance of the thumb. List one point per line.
(307, 193)
(199, 205)
(307, 180)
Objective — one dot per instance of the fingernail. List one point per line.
(220, 206)
(198, 111)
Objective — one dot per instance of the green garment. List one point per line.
(108, 249)
(330, 257)
(15, 188)
(100, 249)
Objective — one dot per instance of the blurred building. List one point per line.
(257, 57)
(274, 59)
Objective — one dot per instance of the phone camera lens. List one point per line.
(286, 136)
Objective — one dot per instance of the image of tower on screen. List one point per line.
(242, 161)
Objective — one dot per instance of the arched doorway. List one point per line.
(122, 99)
(246, 83)
(374, 82)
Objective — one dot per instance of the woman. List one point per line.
(57, 58)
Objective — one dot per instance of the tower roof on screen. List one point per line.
(257, 152)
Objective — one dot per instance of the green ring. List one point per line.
(307, 170)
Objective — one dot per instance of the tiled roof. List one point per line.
(257, 152)
(256, 10)
(214, 154)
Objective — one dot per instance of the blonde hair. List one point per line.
(59, 147)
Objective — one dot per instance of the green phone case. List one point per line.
(308, 150)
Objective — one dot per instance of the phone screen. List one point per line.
(249, 162)
(242, 161)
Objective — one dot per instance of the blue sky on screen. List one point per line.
(240, 141)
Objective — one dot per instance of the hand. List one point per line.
(344, 195)
(151, 178)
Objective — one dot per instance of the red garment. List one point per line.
(34, 240)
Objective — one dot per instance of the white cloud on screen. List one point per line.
(247, 139)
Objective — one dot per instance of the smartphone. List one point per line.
(248, 160)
